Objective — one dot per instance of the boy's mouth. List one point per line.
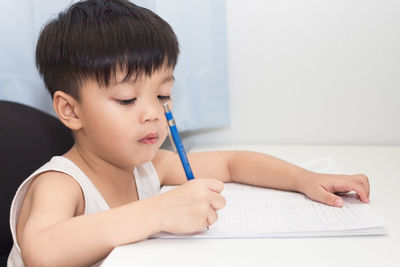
(149, 139)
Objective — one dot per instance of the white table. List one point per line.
(380, 163)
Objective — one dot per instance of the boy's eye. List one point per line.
(164, 97)
(126, 101)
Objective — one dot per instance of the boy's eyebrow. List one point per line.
(168, 79)
(164, 80)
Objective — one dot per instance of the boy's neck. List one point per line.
(116, 185)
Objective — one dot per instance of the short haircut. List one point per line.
(94, 39)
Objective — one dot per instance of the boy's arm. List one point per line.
(262, 170)
(52, 236)
(204, 165)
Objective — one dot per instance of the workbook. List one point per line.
(253, 212)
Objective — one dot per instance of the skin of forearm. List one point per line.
(86, 239)
(264, 170)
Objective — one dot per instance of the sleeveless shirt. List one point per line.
(147, 184)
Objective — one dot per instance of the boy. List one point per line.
(108, 65)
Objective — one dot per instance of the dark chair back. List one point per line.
(28, 139)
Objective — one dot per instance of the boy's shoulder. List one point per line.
(53, 179)
(50, 196)
(51, 187)
(50, 182)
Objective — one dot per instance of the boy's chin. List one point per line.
(145, 156)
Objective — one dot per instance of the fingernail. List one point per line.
(338, 202)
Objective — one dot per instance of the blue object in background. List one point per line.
(201, 94)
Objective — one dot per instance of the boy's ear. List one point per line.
(67, 109)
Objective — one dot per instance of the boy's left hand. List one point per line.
(321, 187)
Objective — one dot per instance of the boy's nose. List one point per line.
(151, 112)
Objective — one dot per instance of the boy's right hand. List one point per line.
(192, 206)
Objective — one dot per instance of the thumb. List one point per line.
(328, 198)
(214, 185)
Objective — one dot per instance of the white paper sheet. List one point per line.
(261, 212)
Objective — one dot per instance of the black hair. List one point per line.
(94, 39)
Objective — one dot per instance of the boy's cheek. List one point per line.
(163, 137)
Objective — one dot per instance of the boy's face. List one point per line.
(125, 124)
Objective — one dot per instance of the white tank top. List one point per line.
(147, 184)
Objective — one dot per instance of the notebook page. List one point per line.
(249, 215)
(261, 212)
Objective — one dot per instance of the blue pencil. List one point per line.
(178, 142)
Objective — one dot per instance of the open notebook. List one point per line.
(253, 212)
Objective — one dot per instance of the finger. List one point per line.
(217, 201)
(365, 182)
(355, 184)
(328, 198)
(214, 185)
(212, 218)
(361, 191)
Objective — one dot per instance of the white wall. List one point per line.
(312, 72)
